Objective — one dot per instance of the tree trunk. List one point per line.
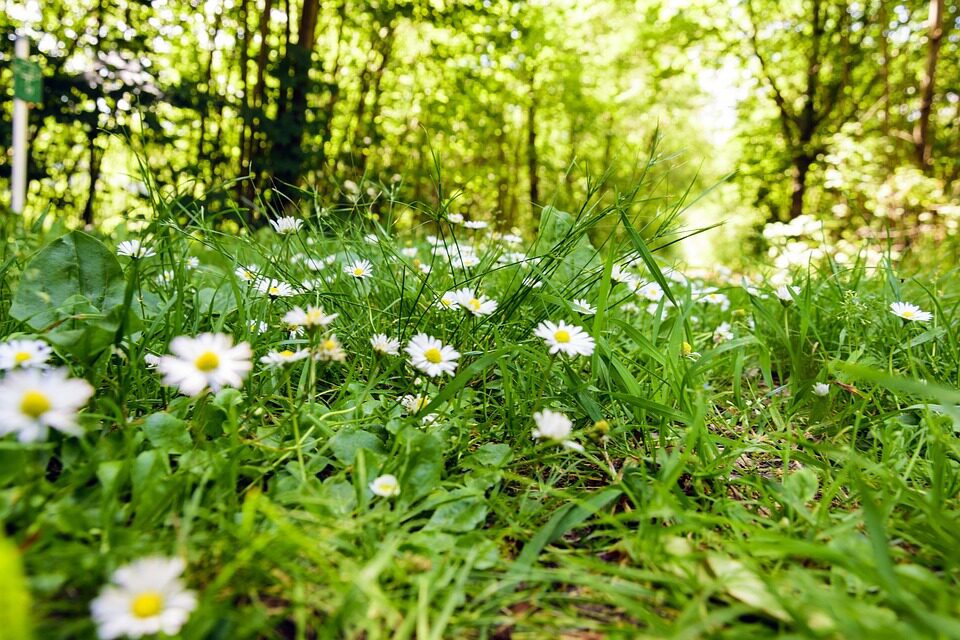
(95, 159)
(922, 136)
(532, 160)
(801, 167)
(287, 153)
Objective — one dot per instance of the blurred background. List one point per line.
(796, 112)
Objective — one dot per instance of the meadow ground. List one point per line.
(551, 437)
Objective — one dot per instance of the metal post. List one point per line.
(18, 178)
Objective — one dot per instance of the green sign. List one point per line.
(27, 81)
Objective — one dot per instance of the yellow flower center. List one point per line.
(686, 349)
(561, 335)
(34, 403)
(147, 604)
(358, 271)
(207, 361)
(314, 316)
(433, 355)
(445, 302)
(286, 353)
(474, 304)
(329, 345)
(907, 313)
(21, 357)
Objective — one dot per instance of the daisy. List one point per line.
(553, 425)
(312, 318)
(152, 361)
(414, 404)
(409, 252)
(24, 353)
(448, 301)
(134, 249)
(286, 224)
(565, 338)
(478, 306)
(279, 358)
(386, 486)
(652, 291)
(476, 224)
(247, 274)
(786, 293)
(384, 345)
(192, 262)
(209, 360)
(512, 238)
(275, 288)
(32, 401)
(330, 350)
(465, 261)
(360, 269)
(431, 356)
(583, 307)
(144, 598)
(821, 389)
(718, 299)
(166, 276)
(910, 312)
(722, 333)
(314, 264)
(621, 275)
(258, 326)
(455, 218)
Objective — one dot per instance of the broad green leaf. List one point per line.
(346, 442)
(167, 433)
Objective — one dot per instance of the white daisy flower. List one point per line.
(258, 326)
(910, 312)
(478, 306)
(286, 224)
(409, 252)
(568, 339)
(152, 361)
(209, 360)
(431, 356)
(166, 276)
(448, 301)
(414, 404)
(33, 400)
(385, 486)
(144, 598)
(718, 299)
(476, 224)
(275, 288)
(192, 262)
(25, 354)
(651, 291)
(553, 425)
(821, 389)
(385, 345)
(247, 274)
(786, 293)
(455, 218)
(512, 238)
(621, 275)
(312, 318)
(276, 359)
(583, 307)
(532, 282)
(135, 249)
(371, 238)
(465, 261)
(722, 333)
(330, 350)
(359, 269)
(315, 264)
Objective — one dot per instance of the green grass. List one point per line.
(721, 498)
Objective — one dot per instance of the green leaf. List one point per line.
(459, 516)
(73, 265)
(346, 442)
(424, 462)
(490, 455)
(167, 433)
